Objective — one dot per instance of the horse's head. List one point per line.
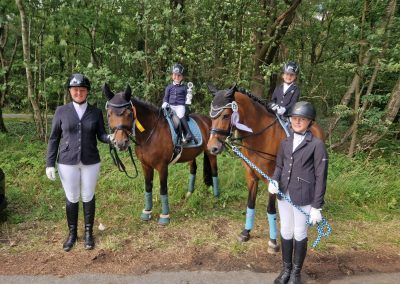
(220, 113)
(121, 115)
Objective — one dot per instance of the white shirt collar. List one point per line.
(297, 139)
(80, 108)
(286, 86)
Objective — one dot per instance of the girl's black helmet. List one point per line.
(177, 68)
(291, 67)
(304, 109)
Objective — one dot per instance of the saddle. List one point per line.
(177, 133)
(284, 122)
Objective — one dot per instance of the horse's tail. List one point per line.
(207, 175)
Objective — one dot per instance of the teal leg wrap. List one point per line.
(249, 218)
(148, 199)
(164, 217)
(215, 186)
(164, 204)
(272, 226)
(192, 179)
(148, 205)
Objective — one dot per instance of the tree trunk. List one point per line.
(267, 46)
(6, 66)
(391, 111)
(347, 97)
(358, 92)
(27, 62)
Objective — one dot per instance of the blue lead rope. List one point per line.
(320, 226)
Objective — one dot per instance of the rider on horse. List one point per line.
(287, 94)
(175, 98)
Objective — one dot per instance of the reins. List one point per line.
(128, 131)
(120, 165)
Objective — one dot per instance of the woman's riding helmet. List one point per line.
(78, 80)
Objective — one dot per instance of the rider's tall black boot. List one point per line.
(287, 253)
(300, 251)
(89, 209)
(189, 136)
(72, 210)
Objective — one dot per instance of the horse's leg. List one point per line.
(252, 185)
(192, 177)
(164, 216)
(148, 194)
(273, 246)
(210, 168)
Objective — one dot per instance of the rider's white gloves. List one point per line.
(273, 187)
(281, 110)
(274, 106)
(51, 173)
(315, 216)
(164, 105)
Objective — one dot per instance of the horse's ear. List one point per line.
(107, 92)
(128, 93)
(213, 90)
(231, 90)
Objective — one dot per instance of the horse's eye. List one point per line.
(225, 116)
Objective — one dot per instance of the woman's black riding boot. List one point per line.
(287, 252)
(72, 219)
(88, 211)
(189, 136)
(300, 251)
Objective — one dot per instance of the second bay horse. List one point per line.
(260, 145)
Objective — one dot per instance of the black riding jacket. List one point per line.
(73, 140)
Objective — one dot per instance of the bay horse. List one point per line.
(260, 146)
(154, 148)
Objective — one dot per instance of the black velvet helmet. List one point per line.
(291, 67)
(177, 68)
(78, 80)
(304, 109)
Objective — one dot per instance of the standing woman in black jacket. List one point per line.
(75, 129)
(300, 173)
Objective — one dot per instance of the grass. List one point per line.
(362, 203)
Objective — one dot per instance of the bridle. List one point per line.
(230, 141)
(128, 130)
(215, 112)
(125, 128)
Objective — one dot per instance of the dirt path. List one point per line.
(319, 268)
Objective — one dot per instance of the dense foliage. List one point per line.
(343, 47)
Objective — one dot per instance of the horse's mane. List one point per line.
(263, 102)
(144, 104)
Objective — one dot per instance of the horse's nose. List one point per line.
(122, 144)
(215, 150)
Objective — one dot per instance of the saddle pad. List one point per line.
(195, 131)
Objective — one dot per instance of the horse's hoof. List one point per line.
(273, 248)
(164, 220)
(145, 216)
(244, 236)
(188, 194)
